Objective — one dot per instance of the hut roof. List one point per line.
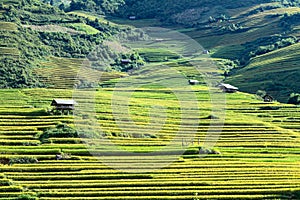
(132, 17)
(205, 51)
(192, 80)
(63, 102)
(228, 86)
(267, 96)
(125, 60)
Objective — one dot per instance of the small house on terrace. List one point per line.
(228, 88)
(132, 17)
(206, 52)
(193, 82)
(62, 104)
(125, 61)
(268, 98)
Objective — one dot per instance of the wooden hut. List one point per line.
(228, 88)
(193, 82)
(62, 104)
(268, 98)
(132, 17)
(125, 61)
(205, 51)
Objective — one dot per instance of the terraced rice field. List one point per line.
(4, 51)
(62, 72)
(259, 151)
(9, 2)
(256, 156)
(256, 26)
(8, 26)
(270, 66)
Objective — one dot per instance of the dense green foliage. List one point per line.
(16, 73)
(22, 160)
(259, 47)
(72, 46)
(173, 10)
(22, 49)
(127, 62)
(60, 131)
(26, 197)
(98, 6)
(294, 99)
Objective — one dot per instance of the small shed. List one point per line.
(63, 104)
(268, 98)
(132, 17)
(205, 51)
(58, 157)
(193, 82)
(159, 39)
(125, 61)
(228, 88)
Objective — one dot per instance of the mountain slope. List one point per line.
(32, 33)
(277, 72)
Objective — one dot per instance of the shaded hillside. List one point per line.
(36, 36)
(277, 72)
(175, 10)
(249, 35)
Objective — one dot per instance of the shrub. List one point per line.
(294, 99)
(4, 161)
(22, 160)
(191, 151)
(5, 182)
(26, 197)
(60, 131)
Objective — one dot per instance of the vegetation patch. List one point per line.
(27, 197)
(294, 99)
(8, 26)
(60, 131)
(83, 28)
(158, 55)
(53, 28)
(18, 160)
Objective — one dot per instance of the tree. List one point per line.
(62, 6)
(294, 99)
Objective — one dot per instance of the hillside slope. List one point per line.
(251, 36)
(239, 32)
(277, 72)
(36, 36)
(51, 155)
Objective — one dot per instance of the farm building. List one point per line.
(132, 17)
(159, 39)
(205, 52)
(62, 104)
(125, 61)
(193, 82)
(228, 88)
(268, 98)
